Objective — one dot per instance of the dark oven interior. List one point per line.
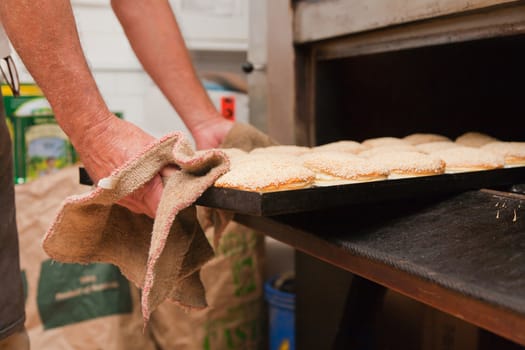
(448, 89)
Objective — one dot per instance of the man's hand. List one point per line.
(211, 132)
(108, 146)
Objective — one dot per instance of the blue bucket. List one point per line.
(281, 317)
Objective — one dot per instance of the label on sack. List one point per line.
(72, 293)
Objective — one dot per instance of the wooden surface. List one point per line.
(461, 255)
(317, 20)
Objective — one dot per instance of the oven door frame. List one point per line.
(292, 51)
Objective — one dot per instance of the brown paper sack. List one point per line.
(93, 306)
(233, 281)
(71, 306)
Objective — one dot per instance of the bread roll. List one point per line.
(405, 164)
(474, 139)
(463, 159)
(335, 168)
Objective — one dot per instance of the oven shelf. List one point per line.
(462, 255)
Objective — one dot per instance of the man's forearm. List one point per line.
(45, 37)
(156, 39)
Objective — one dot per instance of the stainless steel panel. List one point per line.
(317, 20)
(484, 24)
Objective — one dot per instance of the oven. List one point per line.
(391, 68)
(328, 70)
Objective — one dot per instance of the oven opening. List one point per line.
(448, 89)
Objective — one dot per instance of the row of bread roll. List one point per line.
(481, 148)
(285, 167)
(271, 171)
(470, 151)
(455, 156)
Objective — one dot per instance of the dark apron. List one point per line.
(12, 314)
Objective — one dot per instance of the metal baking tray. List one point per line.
(317, 198)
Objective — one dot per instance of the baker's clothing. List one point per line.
(12, 312)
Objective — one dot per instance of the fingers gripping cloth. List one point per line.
(162, 256)
(245, 137)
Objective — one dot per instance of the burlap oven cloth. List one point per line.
(247, 138)
(162, 256)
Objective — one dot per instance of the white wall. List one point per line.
(126, 88)
(213, 24)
